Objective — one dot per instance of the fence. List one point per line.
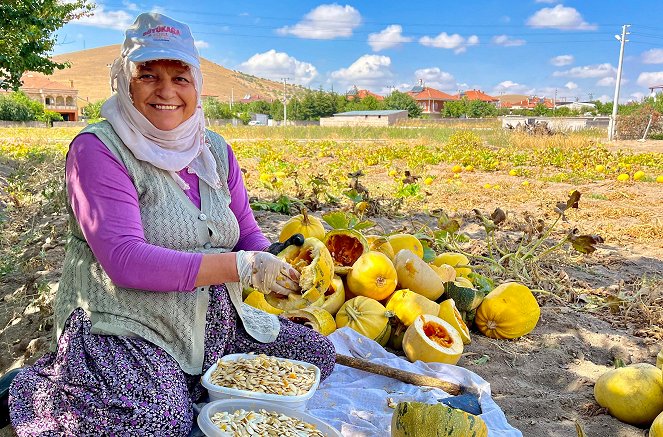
(5, 123)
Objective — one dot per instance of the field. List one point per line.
(442, 184)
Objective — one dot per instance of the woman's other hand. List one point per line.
(266, 273)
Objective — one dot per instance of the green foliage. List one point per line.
(468, 108)
(28, 29)
(17, 106)
(216, 110)
(398, 100)
(93, 110)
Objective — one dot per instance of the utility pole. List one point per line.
(615, 103)
(285, 102)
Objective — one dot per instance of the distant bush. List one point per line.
(17, 106)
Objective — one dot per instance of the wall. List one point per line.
(4, 123)
(559, 123)
(363, 120)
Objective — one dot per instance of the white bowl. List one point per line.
(217, 392)
(231, 405)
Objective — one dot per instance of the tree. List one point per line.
(398, 100)
(454, 108)
(93, 110)
(28, 28)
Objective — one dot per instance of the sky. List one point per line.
(567, 50)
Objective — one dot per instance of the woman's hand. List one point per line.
(266, 273)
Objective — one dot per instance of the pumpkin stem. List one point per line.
(305, 219)
(491, 324)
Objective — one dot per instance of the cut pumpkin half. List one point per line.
(431, 339)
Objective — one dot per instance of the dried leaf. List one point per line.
(584, 243)
(488, 224)
(573, 200)
(498, 216)
(447, 224)
(410, 178)
(356, 174)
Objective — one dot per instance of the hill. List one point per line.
(513, 98)
(89, 72)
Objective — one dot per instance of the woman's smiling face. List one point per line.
(164, 92)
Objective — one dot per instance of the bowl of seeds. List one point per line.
(264, 378)
(248, 417)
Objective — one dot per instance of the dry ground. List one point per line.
(544, 381)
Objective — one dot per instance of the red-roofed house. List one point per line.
(529, 103)
(355, 93)
(430, 100)
(54, 96)
(478, 95)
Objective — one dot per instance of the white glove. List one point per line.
(266, 273)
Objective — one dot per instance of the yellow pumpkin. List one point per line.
(406, 241)
(372, 275)
(418, 419)
(509, 311)
(632, 394)
(366, 316)
(257, 300)
(659, 359)
(454, 259)
(417, 275)
(315, 318)
(345, 247)
(450, 314)
(307, 225)
(335, 296)
(656, 429)
(445, 272)
(431, 339)
(380, 244)
(315, 265)
(408, 305)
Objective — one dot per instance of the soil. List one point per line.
(544, 381)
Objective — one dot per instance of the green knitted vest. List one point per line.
(174, 321)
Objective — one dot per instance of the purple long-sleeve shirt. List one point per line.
(105, 204)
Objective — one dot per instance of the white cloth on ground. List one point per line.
(355, 402)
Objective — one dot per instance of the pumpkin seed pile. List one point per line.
(264, 374)
(262, 423)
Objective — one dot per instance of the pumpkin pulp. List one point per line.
(345, 249)
(438, 334)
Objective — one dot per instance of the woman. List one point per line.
(158, 215)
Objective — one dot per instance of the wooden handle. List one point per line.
(401, 375)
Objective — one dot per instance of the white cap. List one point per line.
(154, 36)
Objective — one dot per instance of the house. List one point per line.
(365, 118)
(577, 106)
(355, 93)
(430, 100)
(530, 103)
(53, 95)
(255, 98)
(477, 95)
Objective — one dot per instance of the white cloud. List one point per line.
(402, 87)
(637, 96)
(453, 42)
(276, 65)
(369, 71)
(436, 78)
(510, 87)
(391, 36)
(325, 22)
(588, 71)
(653, 56)
(604, 98)
(507, 41)
(651, 78)
(130, 6)
(119, 20)
(607, 81)
(562, 60)
(200, 44)
(559, 17)
(571, 85)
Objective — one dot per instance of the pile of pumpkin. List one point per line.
(381, 287)
(634, 394)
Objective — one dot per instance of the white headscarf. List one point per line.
(170, 150)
